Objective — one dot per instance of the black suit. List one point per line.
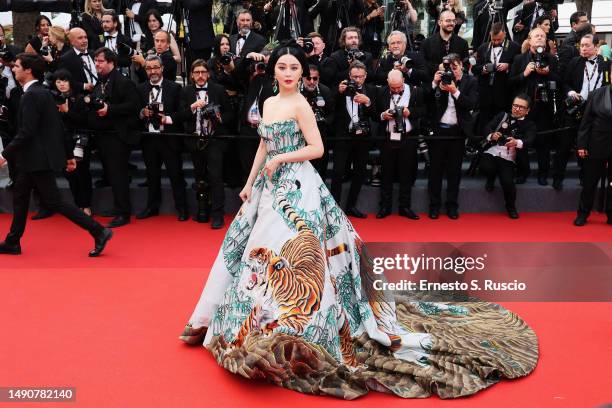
(434, 49)
(595, 135)
(336, 68)
(481, 18)
(145, 6)
(123, 61)
(201, 34)
(326, 114)
(73, 63)
(93, 28)
(116, 133)
(208, 160)
(253, 43)
(399, 155)
(166, 150)
(39, 149)
(169, 63)
(447, 154)
(418, 75)
(496, 97)
(527, 18)
(356, 151)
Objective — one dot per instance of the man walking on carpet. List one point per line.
(38, 150)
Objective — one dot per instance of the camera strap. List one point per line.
(590, 75)
(92, 77)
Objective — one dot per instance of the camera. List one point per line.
(356, 55)
(351, 88)
(45, 50)
(124, 50)
(7, 55)
(361, 128)
(211, 111)
(498, 5)
(447, 76)
(156, 108)
(316, 102)
(398, 117)
(82, 140)
(93, 102)
(489, 68)
(406, 62)
(538, 58)
(308, 45)
(541, 92)
(260, 66)
(227, 58)
(574, 106)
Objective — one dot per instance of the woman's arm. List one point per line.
(176, 54)
(260, 157)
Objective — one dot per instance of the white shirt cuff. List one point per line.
(167, 120)
(456, 94)
(519, 144)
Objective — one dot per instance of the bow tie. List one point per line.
(83, 54)
(110, 37)
(204, 88)
(155, 87)
(397, 93)
(242, 37)
(591, 61)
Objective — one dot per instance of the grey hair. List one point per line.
(398, 33)
(153, 57)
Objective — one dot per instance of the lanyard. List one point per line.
(590, 77)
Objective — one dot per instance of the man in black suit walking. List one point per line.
(158, 95)
(39, 149)
(594, 145)
(246, 40)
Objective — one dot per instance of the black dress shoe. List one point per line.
(434, 213)
(217, 222)
(119, 221)
(520, 180)
(512, 213)
(408, 213)
(101, 241)
(542, 181)
(580, 220)
(42, 214)
(452, 213)
(143, 184)
(183, 216)
(354, 212)
(557, 184)
(383, 212)
(147, 213)
(9, 249)
(490, 185)
(201, 217)
(108, 214)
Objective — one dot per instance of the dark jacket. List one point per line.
(521, 84)
(434, 49)
(574, 74)
(526, 129)
(171, 99)
(416, 105)
(253, 43)
(336, 68)
(342, 119)
(71, 62)
(201, 35)
(497, 95)
(467, 102)
(595, 132)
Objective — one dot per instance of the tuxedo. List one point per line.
(595, 135)
(434, 49)
(81, 73)
(39, 149)
(574, 74)
(252, 43)
(162, 149)
(496, 97)
(207, 157)
(112, 42)
(116, 133)
(356, 150)
(336, 68)
(169, 63)
(399, 155)
(418, 75)
(446, 155)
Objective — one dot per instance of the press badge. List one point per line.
(396, 136)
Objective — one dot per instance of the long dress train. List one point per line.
(287, 300)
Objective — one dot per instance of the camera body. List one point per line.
(157, 109)
(362, 127)
(538, 58)
(406, 62)
(124, 50)
(45, 50)
(316, 102)
(351, 88)
(211, 112)
(447, 76)
(398, 117)
(356, 55)
(574, 107)
(227, 58)
(94, 103)
(308, 45)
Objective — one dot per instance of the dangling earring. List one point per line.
(275, 86)
(299, 85)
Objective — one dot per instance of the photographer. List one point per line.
(92, 21)
(436, 7)
(295, 21)
(353, 111)
(79, 62)
(162, 50)
(316, 56)
(410, 63)
(492, 69)
(159, 102)
(488, 12)
(205, 111)
(583, 75)
(223, 70)
(113, 114)
(74, 113)
(535, 73)
(319, 98)
(115, 41)
(443, 43)
(401, 106)
(56, 48)
(525, 21)
(505, 134)
(372, 24)
(454, 96)
(594, 145)
(336, 67)
(246, 40)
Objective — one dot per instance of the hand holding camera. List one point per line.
(361, 99)
(529, 69)
(199, 104)
(503, 67)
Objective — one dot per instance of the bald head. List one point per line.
(78, 39)
(395, 77)
(446, 21)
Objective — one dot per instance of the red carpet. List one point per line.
(109, 326)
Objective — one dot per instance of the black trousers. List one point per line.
(542, 115)
(208, 167)
(564, 141)
(400, 156)
(156, 152)
(80, 181)
(594, 170)
(115, 154)
(344, 152)
(45, 184)
(493, 166)
(446, 157)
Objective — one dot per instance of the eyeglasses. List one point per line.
(519, 107)
(199, 72)
(312, 78)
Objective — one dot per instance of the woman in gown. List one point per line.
(284, 299)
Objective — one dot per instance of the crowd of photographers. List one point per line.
(411, 98)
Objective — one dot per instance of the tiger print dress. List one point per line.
(284, 302)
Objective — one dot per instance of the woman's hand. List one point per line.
(63, 108)
(48, 58)
(245, 193)
(271, 166)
